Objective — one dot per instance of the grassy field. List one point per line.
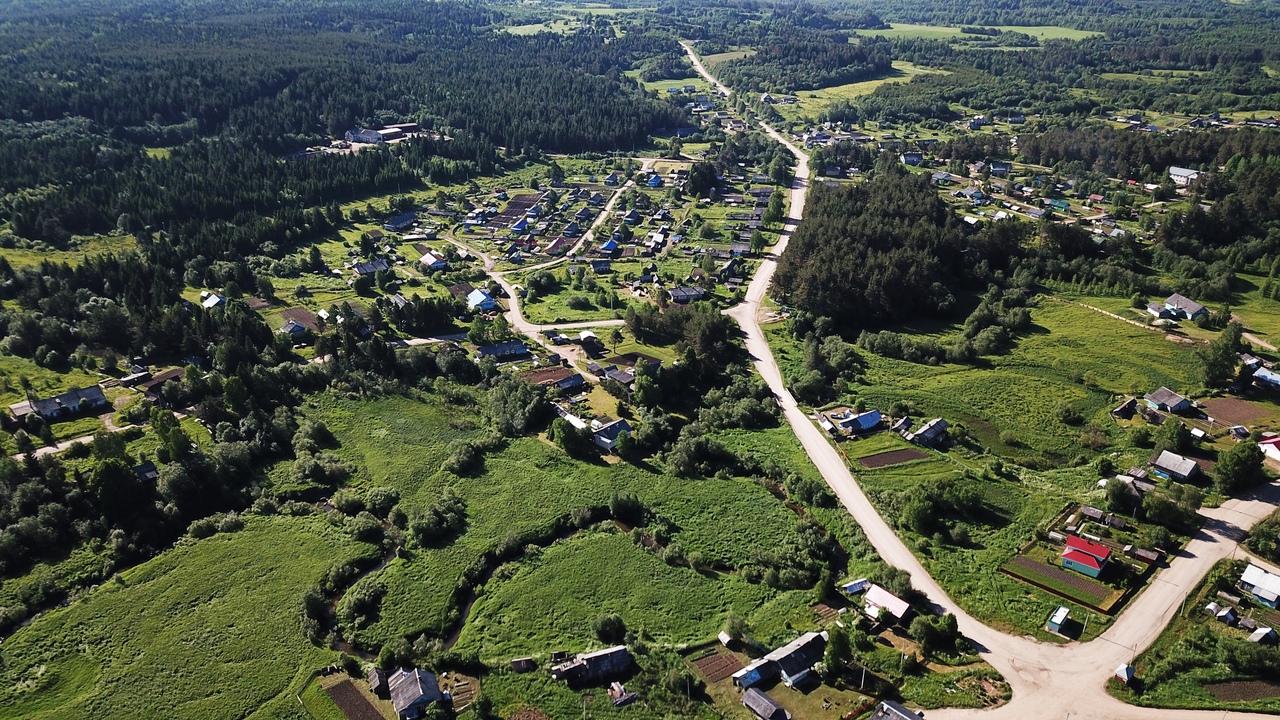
(1072, 355)
(524, 489)
(953, 34)
(813, 102)
(206, 630)
(716, 58)
(562, 27)
(77, 250)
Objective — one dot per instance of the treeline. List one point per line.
(794, 65)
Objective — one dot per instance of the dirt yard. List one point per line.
(352, 702)
(1244, 690)
(1234, 410)
(715, 668)
(893, 457)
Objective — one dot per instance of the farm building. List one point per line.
(931, 434)
(400, 222)
(589, 667)
(1185, 308)
(1085, 556)
(685, 295)
(1262, 585)
(502, 350)
(1059, 618)
(792, 663)
(607, 436)
(1183, 176)
(1158, 310)
(372, 267)
(1172, 466)
(412, 691)
(892, 710)
(878, 599)
(363, 135)
(764, 707)
(68, 403)
(480, 300)
(1167, 400)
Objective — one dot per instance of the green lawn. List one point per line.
(714, 59)
(206, 630)
(79, 248)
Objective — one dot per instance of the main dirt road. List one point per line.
(1048, 680)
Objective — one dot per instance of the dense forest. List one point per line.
(793, 65)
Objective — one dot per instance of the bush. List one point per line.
(609, 628)
(578, 302)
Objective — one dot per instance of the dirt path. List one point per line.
(1047, 680)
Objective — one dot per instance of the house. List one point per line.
(860, 422)
(655, 181)
(593, 666)
(1167, 400)
(931, 434)
(152, 388)
(893, 710)
(913, 159)
(432, 261)
(508, 349)
(1266, 376)
(878, 599)
(412, 691)
(792, 663)
(1172, 466)
(1262, 585)
(1184, 308)
(1183, 177)
(685, 295)
(1001, 168)
(607, 436)
(294, 329)
(1158, 310)
(1059, 618)
(372, 267)
(480, 300)
(599, 267)
(460, 291)
(940, 178)
(147, 472)
(68, 403)
(1085, 556)
(400, 222)
(612, 181)
(763, 706)
(377, 678)
(1270, 448)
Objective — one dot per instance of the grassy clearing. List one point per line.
(716, 58)
(813, 102)
(953, 34)
(79, 248)
(206, 630)
(523, 489)
(561, 27)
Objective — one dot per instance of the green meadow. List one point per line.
(206, 630)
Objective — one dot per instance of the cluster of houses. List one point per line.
(1264, 588)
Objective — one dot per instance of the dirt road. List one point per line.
(1048, 680)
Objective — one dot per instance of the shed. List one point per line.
(763, 706)
(1059, 618)
(523, 665)
(1124, 673)
(1263, 635)
(377, 678)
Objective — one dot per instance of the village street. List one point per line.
(1047, 680)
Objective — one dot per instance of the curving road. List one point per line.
(1048, 680)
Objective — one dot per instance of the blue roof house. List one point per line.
(480, 300)
(655, 181)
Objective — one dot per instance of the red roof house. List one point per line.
(1085, 556)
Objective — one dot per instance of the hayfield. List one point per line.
(207, 630)
(813, 102)
(523, 490)
(953, 34)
